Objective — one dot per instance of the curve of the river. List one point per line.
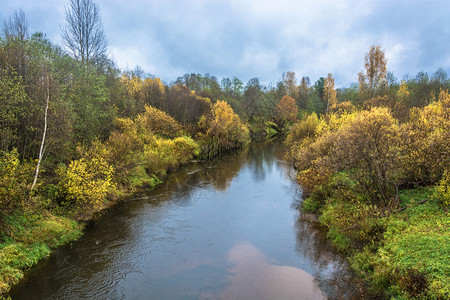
(224, 229)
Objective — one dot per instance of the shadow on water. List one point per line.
(222, 229)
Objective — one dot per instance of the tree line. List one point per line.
(77, 132)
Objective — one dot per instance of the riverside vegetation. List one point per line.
(377, 172)
(78, 134)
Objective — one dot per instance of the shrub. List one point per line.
(442, 191)
(223, 128)
(124, 146)
(163, 155)
(15, 181)
(86, 182)
(369, 145)
(300, 131)
(159, 122)
(425, 142)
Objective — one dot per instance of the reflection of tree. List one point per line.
(330, 267)
(184, 187)
(261, 157)
(220, 172)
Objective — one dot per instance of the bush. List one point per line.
(86, 182)
(15, 181)
(425, 142)
(369, 145)
(159, 122)
(442, 191)
(300, 131)
(163, 155)
(222, 129)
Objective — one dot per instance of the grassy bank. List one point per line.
(401, 255)
(31, 236)
(380, 183)
(412, 260)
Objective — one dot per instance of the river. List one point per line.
(224, 229)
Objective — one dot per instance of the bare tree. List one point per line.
(83, 34)
(16, 26)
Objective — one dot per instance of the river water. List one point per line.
(223, 229)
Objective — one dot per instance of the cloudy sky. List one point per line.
(259, 38)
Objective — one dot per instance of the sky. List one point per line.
(259, 38)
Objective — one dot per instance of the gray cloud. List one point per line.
(262, 38)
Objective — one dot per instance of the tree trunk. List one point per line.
(41, 151)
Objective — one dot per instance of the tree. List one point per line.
(316, 100)
(290, 82)
(376, 70)
(286, 110)
(253, 102)
(224, 127)
(15, 32)
(41, 149)
(303, 92)
(330, 92)
(16, 26)
(83, 35)
(403, 92)
(13, 98)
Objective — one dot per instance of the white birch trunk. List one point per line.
(41, 151)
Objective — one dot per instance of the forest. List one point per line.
(78, 134)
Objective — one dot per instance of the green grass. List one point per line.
(31, 237)
(413, 258)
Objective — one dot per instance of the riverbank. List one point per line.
(402, 255)
(380, 184)
(165, 244)
(138, 155)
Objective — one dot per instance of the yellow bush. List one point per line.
(300, 131)
(224, 127)
(159, 122)
(442, 190)
(426, 142)
(163, 155)
(369, 145)
(15, 180)
(86, 182)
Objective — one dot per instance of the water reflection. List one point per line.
(254, 277)
(224, 229)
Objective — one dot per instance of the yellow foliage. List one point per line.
(344, 107)
(442, 191)
(330, 92)
(159, 122)
(370, 143)
(133, 86)
(403, 92)
(426, 142)
(299, 132)
(365, 141)
(163, 155)
(15, 180)
(224, 126)
(86, 182)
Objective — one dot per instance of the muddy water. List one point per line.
(225, 229)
